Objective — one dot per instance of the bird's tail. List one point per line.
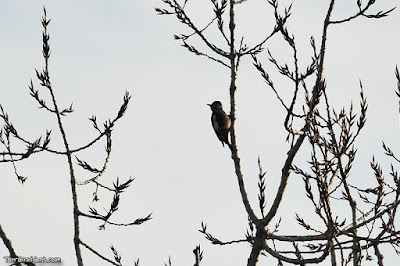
(230, 146)
(226, 140)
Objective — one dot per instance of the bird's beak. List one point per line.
(209, 104)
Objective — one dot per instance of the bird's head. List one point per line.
(215, 106)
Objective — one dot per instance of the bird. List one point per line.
(221, 122)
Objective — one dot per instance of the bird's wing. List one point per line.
(217, 123)
(214, 123)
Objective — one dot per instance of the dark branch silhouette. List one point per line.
(331, 135)
(9, 133)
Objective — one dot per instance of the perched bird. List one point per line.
(220, 122)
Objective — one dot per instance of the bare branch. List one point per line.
(98, 254)
(362, 12)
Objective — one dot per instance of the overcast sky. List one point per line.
(183, 175)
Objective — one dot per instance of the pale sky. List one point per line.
(165, 141)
